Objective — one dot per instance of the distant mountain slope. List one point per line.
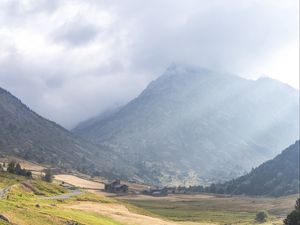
(194, 126)
(276, 177)
(25, 134)
(90, 122)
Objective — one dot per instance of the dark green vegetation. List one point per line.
(15, 168)
(194, 126)
(209, 209)
(276, 177)
(261, 216)
(294, 217)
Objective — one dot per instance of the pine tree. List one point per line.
(18, 169)
(48, 176)
(11, 168)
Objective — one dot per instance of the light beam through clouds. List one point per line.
(70, 60)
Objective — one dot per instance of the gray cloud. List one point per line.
(76, 33)
(70, 60)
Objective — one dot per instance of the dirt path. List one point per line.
(120, 213)
(4, 191)
(64, 196)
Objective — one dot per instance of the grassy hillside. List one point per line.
(25, 134)
(24, 204)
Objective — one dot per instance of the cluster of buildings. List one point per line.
(117, 187)
(164, 191)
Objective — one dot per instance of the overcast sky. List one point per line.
(70, 60)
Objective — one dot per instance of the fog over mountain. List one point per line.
(71, 60)
(195, 125)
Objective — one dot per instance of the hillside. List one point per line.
(276, 177)
(25, 134)
(196, 126)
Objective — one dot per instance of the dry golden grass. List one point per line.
(134, 187)
(119, 213)
(79, 182)
(24, 164)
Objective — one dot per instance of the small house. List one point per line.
(116, 187)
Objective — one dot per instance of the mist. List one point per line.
(71, 60)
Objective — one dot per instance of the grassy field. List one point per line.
(213, 209)
(25, 204)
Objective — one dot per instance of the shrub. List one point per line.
(294, 217)
(261, 216)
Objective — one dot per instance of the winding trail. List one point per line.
(4, 191)
(64, 196)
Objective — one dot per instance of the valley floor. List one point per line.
(34, 202)
(211, 209)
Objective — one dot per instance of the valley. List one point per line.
(33, 201)
(216, 209)
(135, 112)
(154, 161)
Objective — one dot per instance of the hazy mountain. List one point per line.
(25, 134)
(276, 177)
(197, 126)
(91, 122)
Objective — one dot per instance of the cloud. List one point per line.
(69, 60)
(76, 34)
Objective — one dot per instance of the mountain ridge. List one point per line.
(25, 134)
(154, 130)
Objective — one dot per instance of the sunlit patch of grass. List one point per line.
(91, 197)
(39, 187)
(23, 204)
(2, 222)
(8, 179)
(82, 217)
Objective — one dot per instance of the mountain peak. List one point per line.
(195, 125)
(265, 80)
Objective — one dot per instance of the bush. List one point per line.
(261, 217)
(294, 217)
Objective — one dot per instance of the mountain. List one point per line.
(25, 134)
(194, 125)
(276, 177)
(90, 122)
